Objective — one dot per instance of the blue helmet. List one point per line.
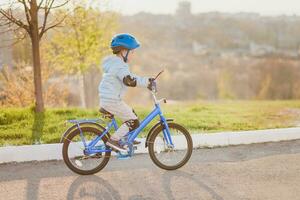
(124, 40)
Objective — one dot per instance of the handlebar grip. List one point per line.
(154, 88)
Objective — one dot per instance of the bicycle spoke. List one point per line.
(81, 159)
(167, 154)
(74, 143)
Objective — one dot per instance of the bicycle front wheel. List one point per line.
(166, 156)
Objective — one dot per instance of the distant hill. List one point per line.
(216, 31)
(219, 55)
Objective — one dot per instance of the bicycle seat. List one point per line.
(106, 114)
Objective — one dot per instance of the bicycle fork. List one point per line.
(166, 132)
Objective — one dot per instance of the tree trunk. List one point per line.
(82, 93)
(86, 89)
(91, 79)
(39, 102)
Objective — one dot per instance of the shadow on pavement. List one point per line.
(34, 172)
(92, 187)
(179, 174)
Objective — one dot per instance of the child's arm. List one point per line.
(130, 79)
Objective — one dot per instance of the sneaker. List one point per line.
(115, 145)
(135, 142)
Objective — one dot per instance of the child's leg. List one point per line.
(126, 113)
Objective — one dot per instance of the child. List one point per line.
(116, 79)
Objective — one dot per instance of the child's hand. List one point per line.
(151, 83)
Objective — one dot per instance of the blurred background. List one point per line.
(229, 65)
(210, 50)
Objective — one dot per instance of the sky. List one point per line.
(263, 7)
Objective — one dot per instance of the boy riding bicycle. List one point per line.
(116, 78)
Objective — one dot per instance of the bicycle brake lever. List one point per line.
(162, 100)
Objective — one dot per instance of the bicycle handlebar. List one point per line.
(154, 87)
(158, 74)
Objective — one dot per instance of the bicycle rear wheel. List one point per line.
(75, 156)
(166, 156)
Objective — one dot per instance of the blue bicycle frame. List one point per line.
(91, 148)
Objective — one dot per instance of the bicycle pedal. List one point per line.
(123, 157)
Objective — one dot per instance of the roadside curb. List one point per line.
(53, 151)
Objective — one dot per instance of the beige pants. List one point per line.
(124, 112)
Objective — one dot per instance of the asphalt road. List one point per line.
(258, 171)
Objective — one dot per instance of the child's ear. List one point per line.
(122, 52)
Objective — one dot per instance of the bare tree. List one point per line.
(22, 17)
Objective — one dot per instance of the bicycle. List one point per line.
(84, 150)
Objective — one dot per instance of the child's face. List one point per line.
(130, 55)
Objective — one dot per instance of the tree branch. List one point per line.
(40, 4)
(8, 15)
(26, 11)
(14, 43)
(47, 9)
(61, 5)
(6, 23)
(58, 6)
(9, 29)
(44, 30)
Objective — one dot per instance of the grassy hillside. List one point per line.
(21, 126)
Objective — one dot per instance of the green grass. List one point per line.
(20, 126)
